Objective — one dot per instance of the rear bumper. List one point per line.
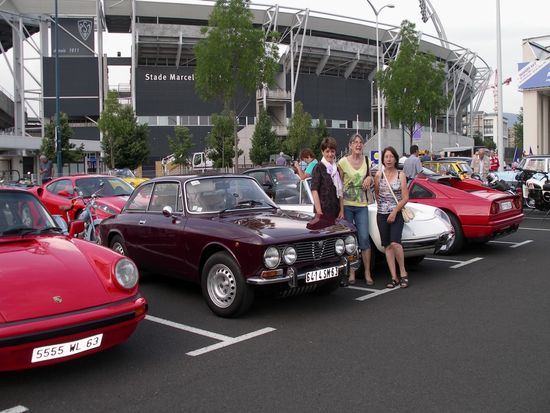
(495, 228)
(116, 322)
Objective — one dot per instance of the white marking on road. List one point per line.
(535, 229)
(512, 244)
(183, 327)
(16, 409)
(224, 340)
(374, 293)
(441, 259)
(229, 342)
(462, 264)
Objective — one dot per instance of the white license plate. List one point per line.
(318, 275)
(66, 349)
(505, 206)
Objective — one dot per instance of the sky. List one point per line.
(468, 23)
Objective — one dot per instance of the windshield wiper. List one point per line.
(22, 230)
(244, 204)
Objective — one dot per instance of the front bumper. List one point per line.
(293, 277)
(426, 246)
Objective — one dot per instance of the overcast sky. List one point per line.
(468, 23)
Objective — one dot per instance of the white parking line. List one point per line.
(512, 244)
(375, 293)
(535, 229)
(16, 409)
(459, 263)
(224, 340)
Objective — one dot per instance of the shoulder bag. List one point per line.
(408, 214)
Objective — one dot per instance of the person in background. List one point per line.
(354, 170)
(412, 166)
(403, 158)
(308, 157)
(46, 167)
(426, 156)
(280, 161)
(481, 164)
(389, 217)
(494, 163)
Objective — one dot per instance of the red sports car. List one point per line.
(478, 213)
(59, 194)
(60, 297)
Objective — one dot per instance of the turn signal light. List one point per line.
(271, 273)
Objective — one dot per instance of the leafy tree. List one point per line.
(321, 131)
(124, 142)
(489, 143)
(180, 145)
(300, 134)
(518, 130)
(69, 151)
(264, 140)
(478, 139)
(413, 83)
(233, 59)
(220, 140)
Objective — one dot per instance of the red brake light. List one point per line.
(494, 208)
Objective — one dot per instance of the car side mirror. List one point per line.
(167, 211)
(76, 227)
(64, 193)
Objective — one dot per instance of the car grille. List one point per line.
(315, 250)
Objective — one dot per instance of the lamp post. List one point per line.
(378, 94)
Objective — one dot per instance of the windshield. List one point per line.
(216, 194)
(112, 186)
(21, 213)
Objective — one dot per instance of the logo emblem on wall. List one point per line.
(85, 28)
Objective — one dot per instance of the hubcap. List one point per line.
(221, 286)
(117, 247)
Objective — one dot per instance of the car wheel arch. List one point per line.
(210, 250)
(459, 238)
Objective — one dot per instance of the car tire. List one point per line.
(414, 260)
(458, 241)
(224, 287)
(117, 244)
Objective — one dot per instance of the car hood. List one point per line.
(116, 203)
(282, 225)
(36, 273)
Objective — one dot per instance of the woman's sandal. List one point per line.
(392, 284)
(403, 282)
(351, 281)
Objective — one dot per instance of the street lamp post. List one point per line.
(378, 94)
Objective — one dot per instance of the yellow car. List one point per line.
(444, 166)
(128, 176)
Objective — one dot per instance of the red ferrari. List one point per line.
(59, 194)
(60, 297)
(478, 213)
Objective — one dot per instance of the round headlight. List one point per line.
(442, 215)
(351, 244)
(289, 255)
(339, 246)
(271, 257)
(126, 273)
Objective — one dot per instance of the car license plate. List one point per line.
(318, 275)
(505, 206)
(66, 349)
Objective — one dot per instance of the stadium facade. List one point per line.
(328, 63)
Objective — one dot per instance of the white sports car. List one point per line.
(429, 232)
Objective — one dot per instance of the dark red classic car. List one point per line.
(60, 297)
(224, 233)
(477, 213)
(59, 194)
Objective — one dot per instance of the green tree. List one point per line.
(300, 134)
(413, 83)
(264, 141)
(233, 59)
(478, 139)
(69, 151)
(220, 140)
(518, 130)
(180, 145)
(321, 131)
(124, 142)
(489, 143)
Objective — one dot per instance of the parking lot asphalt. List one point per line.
(471, 333)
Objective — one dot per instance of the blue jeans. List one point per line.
(359, 216)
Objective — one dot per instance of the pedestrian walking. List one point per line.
(46, 168)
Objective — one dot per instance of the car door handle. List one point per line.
(142, 221)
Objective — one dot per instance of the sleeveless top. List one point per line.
(354, 195)
(386, 201)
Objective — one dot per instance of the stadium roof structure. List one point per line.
(164, 33)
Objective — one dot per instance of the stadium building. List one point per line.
(328, 63)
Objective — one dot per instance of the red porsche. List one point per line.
(60, 297)
(477, 213)
(59, 194)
